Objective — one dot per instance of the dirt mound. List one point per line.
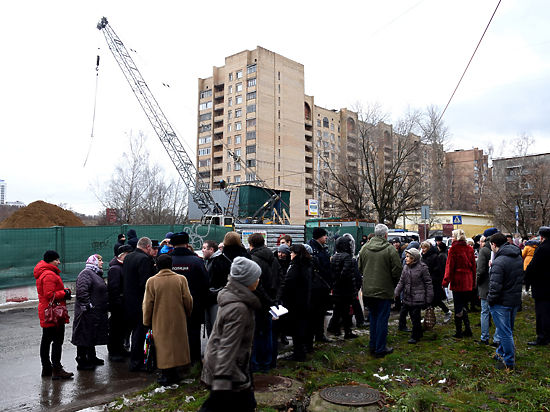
(40, 214)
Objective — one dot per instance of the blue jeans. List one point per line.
(504, 317)
(485, 316)
(379, 314)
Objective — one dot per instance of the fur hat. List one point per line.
(124, 249)
(318, 232)
(245, 271)
(50, 256)
(232, 239)
(414, 253)
(180, 238)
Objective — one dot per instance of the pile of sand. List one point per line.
(40, 214)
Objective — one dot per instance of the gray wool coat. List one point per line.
(416, 285)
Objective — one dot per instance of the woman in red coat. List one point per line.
(50, 287)
(460, 273)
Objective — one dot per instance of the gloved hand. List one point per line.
(68, 295)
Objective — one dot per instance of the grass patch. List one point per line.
(439, 373)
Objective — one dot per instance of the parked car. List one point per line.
(404, 237)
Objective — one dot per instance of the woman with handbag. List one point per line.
(90, 325)
(51, 293)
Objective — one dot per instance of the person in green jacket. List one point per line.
(381, 268)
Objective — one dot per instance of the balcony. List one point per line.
(218, 106)
(217, 95)
(309, 146)
(218, 130)
(218, 142)
(219, 119)
(308, 133)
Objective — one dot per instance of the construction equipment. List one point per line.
(200, 192)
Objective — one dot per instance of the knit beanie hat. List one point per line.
(245, 271)
(50, 256)
(284, 249)
(490, 232)
(232, 239)
(319, 232)
(414, 253)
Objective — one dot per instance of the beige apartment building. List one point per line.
(254, 108)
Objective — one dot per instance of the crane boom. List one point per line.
(200, 191)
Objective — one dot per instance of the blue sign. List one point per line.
(457, 219)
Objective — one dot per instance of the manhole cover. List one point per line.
(265, 383)
(350, 395)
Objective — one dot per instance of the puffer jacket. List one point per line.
(528, 252)
(48, 286)
(506, 277)
(381, 268)
(322, 277)
(460, 270)
(343, 269)
(227, 357)
(270, 279)
(416, 285)
(90, 326)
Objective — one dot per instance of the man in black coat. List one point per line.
(537, 275)
(119, 243)
(191, 266)
(321, 283)
(115, 288)
(138, 267)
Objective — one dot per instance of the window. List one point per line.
(238, 125)
(251, 82)
(250, 177)
(229, 114)
(250, 135)
(204, 163)
(237, 179)
(206, 93)
(228, 179)
(278, 114)
(278, 127)
(238, 152)
(251, 69)
(238, 112)
(278, 167)
(251, 95)
(332, 137)
(230, 89)
(332, 126)
(279, 180)
(229, 140)
(279, 75)
(239, 74)
(238, 100)
(251, 149)
(279, 88)
(228, 167)
(204, 152)
(251, 163)
(205, 117)
(237, 166)
(325, 121)
(332, 156)
(251, 108)
(229, 127)
(230, 76)
(318, 122)
(205, 174)
(230, 102)
(205, 127)
(279, 140)
(325, 135)
(279, 101)
(279, 153)
(318, 133)
(206, 139)
(205, 105)
(238, 139)
(251, 122)
(239, 87)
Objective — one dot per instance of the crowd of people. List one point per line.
(231, 290)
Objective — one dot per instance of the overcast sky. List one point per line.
(400, 53)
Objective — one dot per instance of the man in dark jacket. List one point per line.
(262, 352)
(321, 283)
(482, 275)
(132, 238)
(138, 267)
(115, 289)
(537, 276)
(191, 266)
(381, 268)
(504, 297)
(119, 243)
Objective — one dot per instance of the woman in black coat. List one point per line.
(430, 256)
(296, 298)
(90, 326)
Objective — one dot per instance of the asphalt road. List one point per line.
(23, 389)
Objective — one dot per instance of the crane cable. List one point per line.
(95, 104)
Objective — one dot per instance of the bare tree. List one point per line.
(140, 192)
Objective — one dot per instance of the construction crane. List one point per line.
(199, 190)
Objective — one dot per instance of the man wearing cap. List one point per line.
(381, 268)
(117, 326)
(137, 268)
(226, 369)
(537, 275)
(482, 279)
(188, 264)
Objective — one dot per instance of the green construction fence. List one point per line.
(335, 231)
(22, 249)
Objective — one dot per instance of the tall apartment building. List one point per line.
(3, 187)
(467, 175)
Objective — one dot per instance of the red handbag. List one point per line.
(56, 313)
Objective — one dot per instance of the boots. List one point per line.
(458, 326)
(467, 330)
(46, 371)
(60, 373)
(84, 364)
